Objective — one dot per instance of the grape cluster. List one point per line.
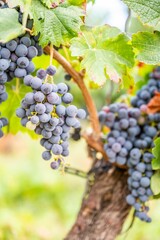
(3, 123)
(140, 173)
(147, 92)
(128, 142)
(48, 111)
(16, 58)
(128, 130)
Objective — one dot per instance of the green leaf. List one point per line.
(57, 25)
(156, 153)
(147, 46)
(155, 183)
(10, 27)
(16, 92)
(106, 53)
(148, 11)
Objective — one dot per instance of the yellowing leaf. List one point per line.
(106, 53)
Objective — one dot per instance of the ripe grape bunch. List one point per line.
(48, 111)
(3, 123)
(16, 57)
(147, 92)
(128, 143)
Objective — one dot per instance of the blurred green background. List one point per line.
(38, 203)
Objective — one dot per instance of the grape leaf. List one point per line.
(155, 183)
(106, 53)
(156, 153)
(148, 11)
(147, 46)
(10, 27)
(57, 25)
(16, 92)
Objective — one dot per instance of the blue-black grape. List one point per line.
(46, 111)
(128, 143)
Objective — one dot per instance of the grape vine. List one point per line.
(122, 134)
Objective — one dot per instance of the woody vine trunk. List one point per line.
(104, 211)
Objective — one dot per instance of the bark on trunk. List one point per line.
(104, 211)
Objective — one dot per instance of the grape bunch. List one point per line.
(16, 58)
(128, 130)
(3, 123)
(140, 173)
(128, 142)
(147, 92)
(48, 111)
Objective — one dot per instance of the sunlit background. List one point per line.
(37, 203)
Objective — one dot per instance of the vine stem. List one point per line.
(51, 53)
(78, 79)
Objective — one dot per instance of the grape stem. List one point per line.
(51, 53)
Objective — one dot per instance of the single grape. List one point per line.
(22, 62)
(25, 41)
(32, 52)
(116, 147)
(4, 64)
(46, 155)
(20, 73)
(62, 88)
(145, 182)
(41, 73)
(130, 200)
(57, 149)
(68, 98)
(21, 50)
(51, 70)
(20, 112)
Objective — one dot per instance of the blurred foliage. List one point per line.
(36, 202)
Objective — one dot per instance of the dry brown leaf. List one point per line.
(154, 104)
